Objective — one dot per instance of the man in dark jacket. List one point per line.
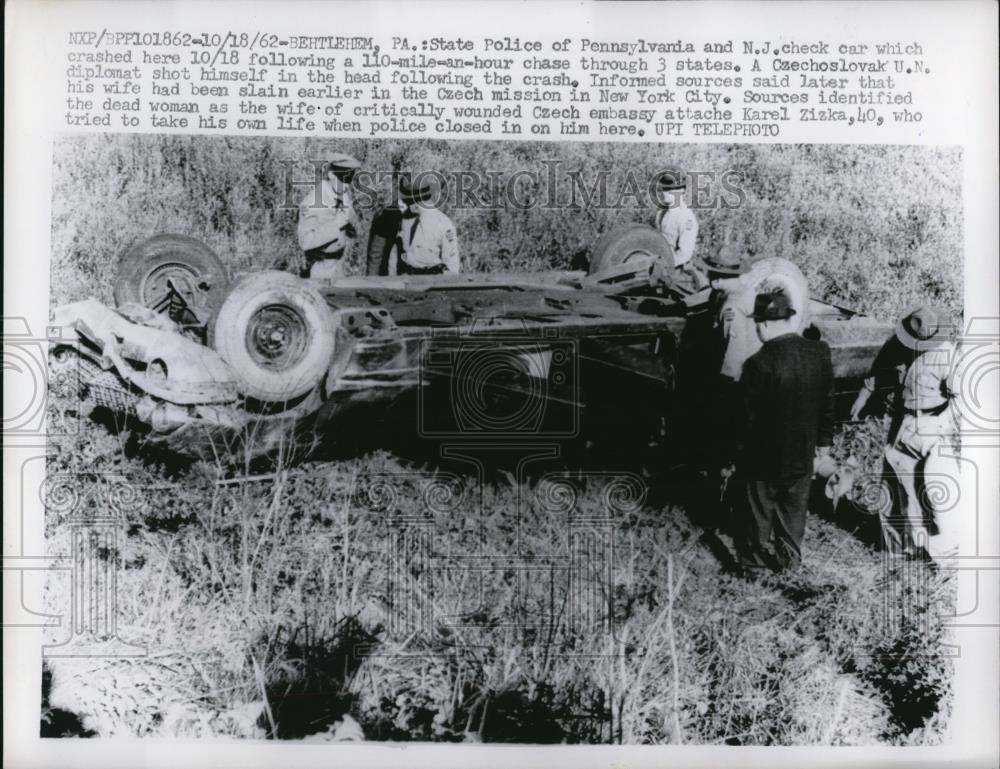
(788, 399)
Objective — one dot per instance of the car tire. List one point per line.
(195, 271)
(385, 228)
(276, 333)
(773, 272)
(622, 243)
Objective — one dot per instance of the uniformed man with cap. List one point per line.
(731, 303)
(326, 227)
(787, 389)
(426, 243)
(916, 364)
(677, 223)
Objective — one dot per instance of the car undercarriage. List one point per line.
(211, 368)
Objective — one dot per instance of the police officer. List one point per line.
(677, 223)
(731, 302)
(326, 228)
(426, 243)
(921, 442)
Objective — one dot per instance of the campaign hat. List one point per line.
(918, 326)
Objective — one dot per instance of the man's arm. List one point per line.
(867, 388)
(882, 376)
(686, 241)
(449, 250)
(322, 228)
(943, 363)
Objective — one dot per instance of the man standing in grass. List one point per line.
(426, 243)
(787, 391)
(735, 284)
(326, 229)
(678, 225)
(920, 453)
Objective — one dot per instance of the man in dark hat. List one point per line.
(677, 223)
(326, 227)
(787, 389)
(916, 364)
(426, 243)
(735, 285)
(731, 303)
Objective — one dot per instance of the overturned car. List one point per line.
(209, 367)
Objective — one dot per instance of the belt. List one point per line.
(318, 254)
(932, 411)
(408, 269)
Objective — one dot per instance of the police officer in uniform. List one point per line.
(731, 304)
(916, 364)
(426, 243)
(326, 228)
(677, 223)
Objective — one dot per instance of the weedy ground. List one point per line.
(426, 605)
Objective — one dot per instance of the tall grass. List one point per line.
(278, 605)
(878, 228)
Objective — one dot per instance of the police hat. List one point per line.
(342, 163)
(918, 327)
(774, 305)
(728, 262)
(671, 180)
(415, 192)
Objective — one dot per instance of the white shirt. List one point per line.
(322, 220)
(927, 381)
(427, 240)
(680, 227)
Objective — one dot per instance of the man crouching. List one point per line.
(787, 389)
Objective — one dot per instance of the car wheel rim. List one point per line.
(156, 287)
(637, 254)
(276, 337)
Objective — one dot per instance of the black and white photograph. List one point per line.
(496, 442)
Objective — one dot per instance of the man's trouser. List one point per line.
(773, 509)
(923, 487)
